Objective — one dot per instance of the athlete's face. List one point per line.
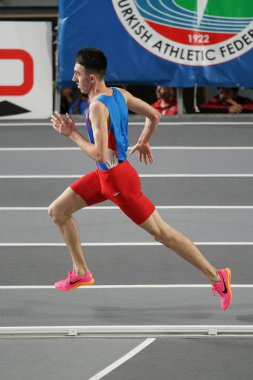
(83, 78)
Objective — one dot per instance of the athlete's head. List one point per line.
(90, 67)
(93, 60)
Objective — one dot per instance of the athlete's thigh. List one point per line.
(68, 202)
(88, 188)
(122, 186)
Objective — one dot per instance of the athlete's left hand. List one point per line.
(144, 153)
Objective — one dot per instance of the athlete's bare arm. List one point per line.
(98, 117)
(140, 107)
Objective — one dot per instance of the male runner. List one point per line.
(115, 178)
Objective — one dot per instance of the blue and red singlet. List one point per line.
(117, 131)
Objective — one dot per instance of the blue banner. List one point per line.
(179, 43)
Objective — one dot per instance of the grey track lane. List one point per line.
(121, 265)
(60, 359)
(190, 359)
(162, 191)
(111, 225)
(91, 306)
(166, 162)
(164, 359)
(233, 133)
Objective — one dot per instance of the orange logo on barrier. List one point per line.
(27, 84)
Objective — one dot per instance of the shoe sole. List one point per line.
(91, 282)
(229, 288)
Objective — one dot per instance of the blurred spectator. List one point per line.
(67, 98)
(166, 102)
(228, 100)
(79, 105)
(73, 103)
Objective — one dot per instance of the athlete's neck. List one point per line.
(99, 88)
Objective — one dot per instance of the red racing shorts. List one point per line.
(121, 184)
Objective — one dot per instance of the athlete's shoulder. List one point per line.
(97, 108)
(127, 95)
(122, 90)
(96, 105)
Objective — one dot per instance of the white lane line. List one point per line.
(24, 149)
(46, 176)
(183, 175)
(38, 149)
(92, 208)
(123, 359)
(153, 286)
(126, 244)
(4, 124)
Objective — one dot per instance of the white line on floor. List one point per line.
(24, 149)
(153, 286)
(123, 359)
(92, 208)
(34, 124)
(183, 175)
(126, 244)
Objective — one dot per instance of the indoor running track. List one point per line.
(142, 318)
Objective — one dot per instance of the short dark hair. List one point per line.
(93, 60)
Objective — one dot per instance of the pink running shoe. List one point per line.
(73, 281)
(223, 288)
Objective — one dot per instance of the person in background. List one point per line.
(79, 105)
(72, 102)
(166, 102)
(67, 99)
(228, 100)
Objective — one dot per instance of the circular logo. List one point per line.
(189, 32)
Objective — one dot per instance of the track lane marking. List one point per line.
(161, 175)
(92, 208)
(28, 149)
(123, 359)
(148, 286)
(122, 244)
(80, 124)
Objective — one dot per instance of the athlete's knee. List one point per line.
(57, 214)
(52, 211)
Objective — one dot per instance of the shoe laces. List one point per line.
(69, 273)
(68, 279)
(217, 288)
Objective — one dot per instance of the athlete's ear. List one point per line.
(92, 78)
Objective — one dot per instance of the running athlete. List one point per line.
(115, 178)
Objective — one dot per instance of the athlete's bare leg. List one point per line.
(61, 211)
(179, 243)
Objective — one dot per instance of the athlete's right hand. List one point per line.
(64, 126)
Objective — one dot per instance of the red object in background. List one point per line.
(27, 84)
